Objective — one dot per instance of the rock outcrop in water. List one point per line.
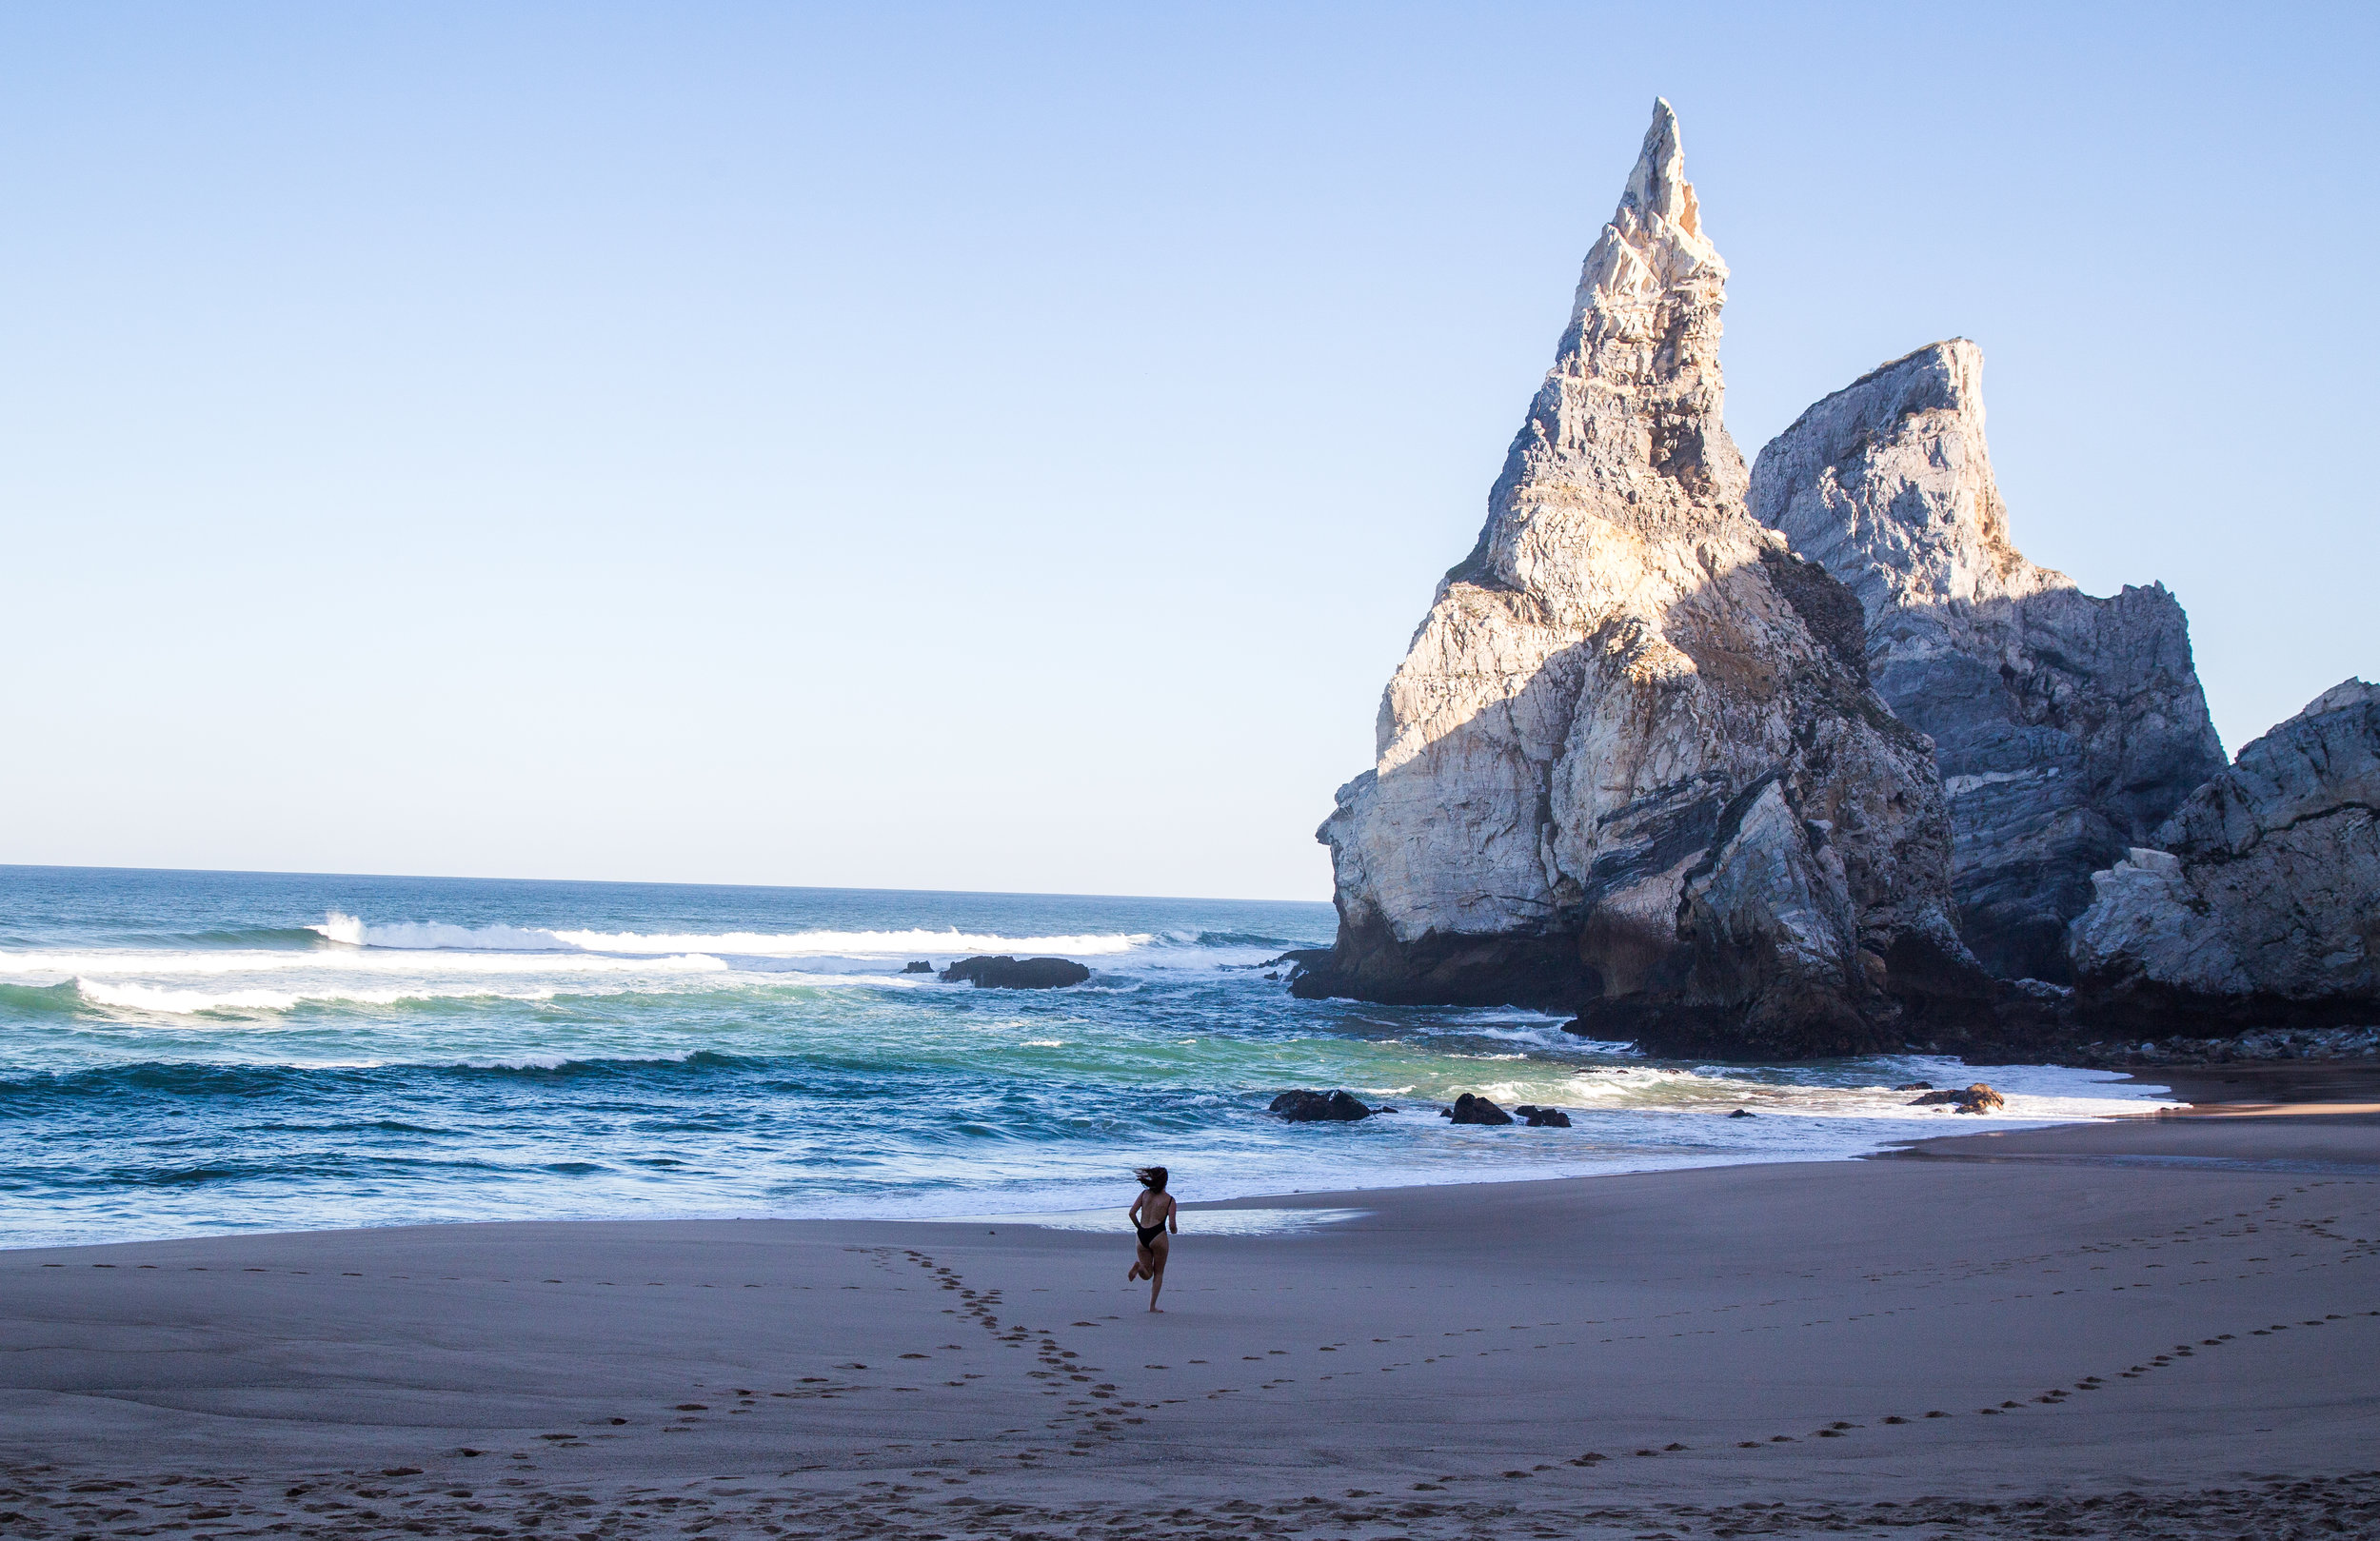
(1005, 973)
(2259, 904)
(1309, 1107)
(2067, 727)
(1631, 763)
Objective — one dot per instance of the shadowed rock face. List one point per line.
(2260, 905)
(1630, 765)
(2067, 727)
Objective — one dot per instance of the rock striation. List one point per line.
(2258, 904)
(2067, 727)
(1631, 764)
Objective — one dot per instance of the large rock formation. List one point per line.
(2067, 727)
(1631, 763)
(2260, 905)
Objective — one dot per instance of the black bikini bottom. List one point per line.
(1149, 1232)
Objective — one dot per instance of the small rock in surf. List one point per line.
(1977, 1099)
(1005, 972)
(1304, 1107)
(1474, 1110)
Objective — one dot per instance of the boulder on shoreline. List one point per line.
(1538, 1117)
(1979, 1098)
(2257, 904)
(1307, 1107)
(1005, 972)
(917, 966)
(1474, 1110)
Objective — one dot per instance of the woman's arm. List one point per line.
(1172, 1210)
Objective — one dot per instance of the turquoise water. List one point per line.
(184, 1053)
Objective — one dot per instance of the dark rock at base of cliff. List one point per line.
(1537, 1118)
(1474, 1110)
(1679, 1031)
(2264, 1046)
(1305, 1107)
(1005, 972)
(1440, 970)
(917, 966)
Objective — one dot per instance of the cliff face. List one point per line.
(2259, 904)
(2068, 727)
(1630, 764)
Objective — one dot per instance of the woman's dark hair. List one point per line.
(1152, 1177)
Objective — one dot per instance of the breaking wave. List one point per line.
(432, 935)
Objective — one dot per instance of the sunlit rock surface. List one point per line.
(2067, 727)
(1631, 764)
(2258, 903)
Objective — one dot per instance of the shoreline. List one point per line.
(2261, 1088)
(1845, 1135)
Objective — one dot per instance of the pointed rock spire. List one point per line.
(1629, 766)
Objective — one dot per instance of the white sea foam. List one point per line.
(414, 935)
(1210, 1222)
(171, 1002)
(213, 963)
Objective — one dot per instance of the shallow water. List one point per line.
(203, 1052)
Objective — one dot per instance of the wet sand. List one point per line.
(2160, 1326)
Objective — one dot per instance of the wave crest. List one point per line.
(436, 936)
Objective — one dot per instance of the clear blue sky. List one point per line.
(1009, 446)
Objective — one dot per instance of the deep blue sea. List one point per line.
(192, 1052)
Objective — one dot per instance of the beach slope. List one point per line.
(2165, 1324)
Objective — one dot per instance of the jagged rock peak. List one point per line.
(1629, 764)
(2068, 727)
(1628, 421)
(1960, 549)
(1654, 237)
(2258, 903)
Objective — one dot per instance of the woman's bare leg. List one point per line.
(1142, 1266)
(1156, 1274)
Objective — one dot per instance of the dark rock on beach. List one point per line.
(1474, 1110)
(1538, 1117)
(1915, 1086)
(1005, 973)
(1977, 1099)
(917, 966)
(1304, 1107)
(1743, 1113)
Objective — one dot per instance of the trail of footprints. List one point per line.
(1094, 1413)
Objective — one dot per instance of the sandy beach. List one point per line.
(2156, 1325)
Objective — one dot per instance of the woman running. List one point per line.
(1152, 1216)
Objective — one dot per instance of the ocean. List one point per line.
(185, 1053)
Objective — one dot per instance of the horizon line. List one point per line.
(647, 882)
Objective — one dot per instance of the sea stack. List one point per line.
(2068, 728)
(1631, 764)
(2258, 903)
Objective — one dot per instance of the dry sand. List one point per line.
(2159, 1327)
